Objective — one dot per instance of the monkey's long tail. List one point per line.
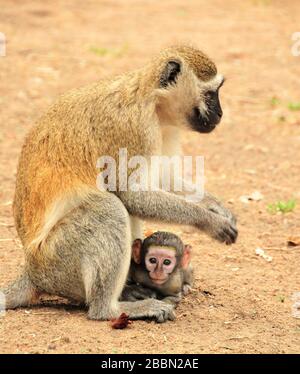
(19, 293)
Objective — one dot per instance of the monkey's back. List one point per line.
(60, 152)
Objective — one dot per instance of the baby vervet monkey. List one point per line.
(160, 268)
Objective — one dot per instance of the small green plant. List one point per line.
(281, 298)
(282, 206)
(115, 52)
(274, 101)
(100, 51)
(294, 106)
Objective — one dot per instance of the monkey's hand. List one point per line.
(222, 211)
(220, 228)
(134, 292)
(214, 205)
(149, 308)
(186, 289)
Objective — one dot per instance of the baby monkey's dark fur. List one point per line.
(140, 285)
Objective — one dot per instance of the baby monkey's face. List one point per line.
(160, 263)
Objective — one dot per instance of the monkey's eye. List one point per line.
(167, 262)
(152, 260)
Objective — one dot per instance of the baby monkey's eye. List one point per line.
(167, 262)
(152, 260)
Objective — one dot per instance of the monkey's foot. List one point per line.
(149, 308)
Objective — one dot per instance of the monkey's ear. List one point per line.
(186, 257)
(170, 73)
(136, 250)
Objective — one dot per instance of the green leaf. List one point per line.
(294, 106)
(282, 206)
(274, 101)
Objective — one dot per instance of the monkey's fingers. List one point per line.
(164, 316)
(161, 311)
(227, 234)
(232, 235)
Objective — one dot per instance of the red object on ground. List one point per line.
(121, 322)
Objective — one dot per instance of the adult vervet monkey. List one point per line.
(77, 239)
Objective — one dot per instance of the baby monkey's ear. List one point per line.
(136, 250)
(186, 257)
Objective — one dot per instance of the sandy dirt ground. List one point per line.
(241, 302)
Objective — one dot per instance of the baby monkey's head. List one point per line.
(161, 254)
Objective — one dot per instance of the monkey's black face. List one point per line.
(207, 121)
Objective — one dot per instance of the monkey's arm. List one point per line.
(209, 202)
(168, 207)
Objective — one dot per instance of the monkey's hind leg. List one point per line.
(19, 293)
(105, 264)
